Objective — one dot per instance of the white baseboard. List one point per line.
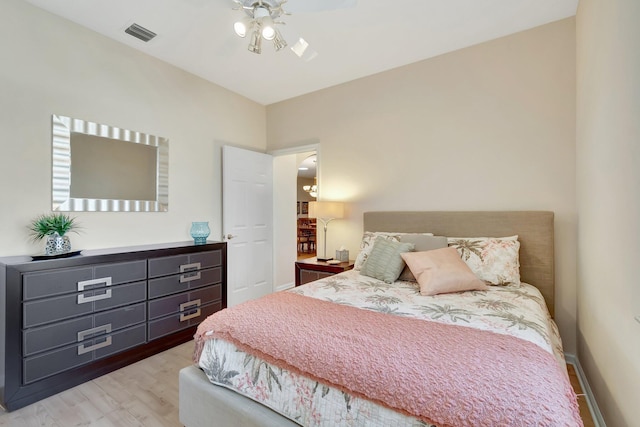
(586, 389)
(284, 287)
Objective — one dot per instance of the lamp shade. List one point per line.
(326, 210)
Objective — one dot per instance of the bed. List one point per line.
(354, 299)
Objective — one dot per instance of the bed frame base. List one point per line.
(203, 404)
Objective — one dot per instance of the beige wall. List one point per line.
(52, 66)
(285, 187)
(487, 127)
(608, 177)
(492, 126)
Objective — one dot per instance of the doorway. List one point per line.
(307, 191)
(285, 215)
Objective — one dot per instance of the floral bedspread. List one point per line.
(517, 310)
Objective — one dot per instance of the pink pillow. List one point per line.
(441, 271)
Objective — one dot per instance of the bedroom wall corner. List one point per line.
(592, 404)
(608, 179)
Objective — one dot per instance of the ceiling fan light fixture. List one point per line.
(255, 44)
(279, 43)
(262, 22)
(268, 30)
(243, 26)
(260, 12)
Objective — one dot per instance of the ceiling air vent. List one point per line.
(140, 32)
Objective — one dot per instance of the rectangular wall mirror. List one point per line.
(103, 168)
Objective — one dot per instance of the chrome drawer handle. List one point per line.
(184, 278)
(81, 285)
(82, 334)
(190, 268)
(190, 305)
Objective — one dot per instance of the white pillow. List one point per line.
(384, 262)
(369, 237)
(493, 259)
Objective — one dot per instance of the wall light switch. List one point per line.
(638, 319)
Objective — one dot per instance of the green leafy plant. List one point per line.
(47, 224)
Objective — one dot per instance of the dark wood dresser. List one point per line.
(65, 321)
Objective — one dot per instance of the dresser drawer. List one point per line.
(123, 340)
(176, 322)
(56, 282)
(49, 283)
(48, 310)
(181, 263)
(183, 282)
(59, 334)
(46, 364)
(183, 302)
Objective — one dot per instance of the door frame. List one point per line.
(311, 145)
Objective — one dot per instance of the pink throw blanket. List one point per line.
(443, 374)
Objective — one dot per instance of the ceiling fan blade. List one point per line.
(235, 4)
(298, 45)
(302, 50)
(310, 6)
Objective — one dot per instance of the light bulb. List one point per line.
(268, 32)
(240, 29)
(242, 26)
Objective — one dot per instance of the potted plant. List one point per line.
(54, 228)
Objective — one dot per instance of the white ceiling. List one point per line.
(374, 36)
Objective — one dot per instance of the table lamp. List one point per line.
(326, 212)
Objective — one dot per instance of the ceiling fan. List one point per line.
(261, 18)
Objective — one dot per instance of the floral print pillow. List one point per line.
(369, 237)
(494, 260)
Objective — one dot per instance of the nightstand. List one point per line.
(310, 269)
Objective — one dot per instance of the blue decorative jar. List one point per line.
(200, 231)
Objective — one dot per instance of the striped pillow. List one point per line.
(369, 237)
(384, 262)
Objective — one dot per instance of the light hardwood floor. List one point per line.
(585, 414)
(144, 394)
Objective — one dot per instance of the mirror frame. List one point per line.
(62, 129)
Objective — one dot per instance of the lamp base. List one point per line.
(323, 258)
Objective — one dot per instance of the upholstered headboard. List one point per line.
(534, 230)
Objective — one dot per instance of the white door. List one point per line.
(247, 223)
